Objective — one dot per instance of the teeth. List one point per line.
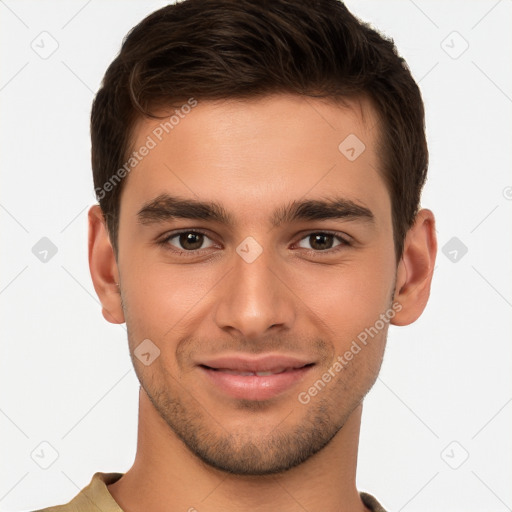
(247, 374)
(233, 372)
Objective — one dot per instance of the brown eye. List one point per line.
(188, 241)
(321, 241)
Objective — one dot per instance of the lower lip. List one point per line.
(255, 387)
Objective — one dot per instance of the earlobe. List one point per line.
(103, 267)
(414, 273)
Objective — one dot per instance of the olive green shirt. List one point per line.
(96, 497)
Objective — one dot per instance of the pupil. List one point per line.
(191, 241)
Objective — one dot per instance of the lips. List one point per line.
(254, 378)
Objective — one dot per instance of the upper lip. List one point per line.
(264, 363)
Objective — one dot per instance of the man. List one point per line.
(258, 167)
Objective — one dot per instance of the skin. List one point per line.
(198, 447)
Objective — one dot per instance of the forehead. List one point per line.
(257, 117)
(258, 151)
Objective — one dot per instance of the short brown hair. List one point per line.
(216, 49)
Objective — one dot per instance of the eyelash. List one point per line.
(344, 242)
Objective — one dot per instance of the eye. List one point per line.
(191, 241)
(188, 241)
(321, 241)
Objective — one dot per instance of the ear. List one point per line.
(103, 267)
(414, 273)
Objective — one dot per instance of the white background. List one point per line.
(65, 373)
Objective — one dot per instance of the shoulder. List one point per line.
(371, 502)
(91, 498)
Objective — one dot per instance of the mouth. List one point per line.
(255, 378)
(263, 373)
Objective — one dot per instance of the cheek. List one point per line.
(349, 297)
(160, 299)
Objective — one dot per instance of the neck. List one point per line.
(166, 475)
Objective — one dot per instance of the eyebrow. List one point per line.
(166, 207)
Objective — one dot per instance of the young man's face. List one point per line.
(273, 287)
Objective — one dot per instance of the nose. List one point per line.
(254, 298)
